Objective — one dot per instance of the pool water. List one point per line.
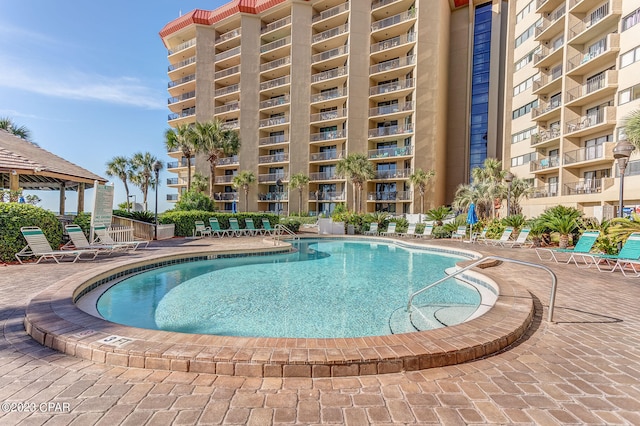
(329, 288)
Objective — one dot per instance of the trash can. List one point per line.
(351, 230)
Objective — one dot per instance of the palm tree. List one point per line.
(143, 175)
(491, 176)
(632, 128)
(181, 139)
(199, 182)
(299, 181)
(243, 180)
(214, 141)
(478, 193)
(10, 126)
(438, 214)
(419, 179)
(358, 169)
(520, 188)
(122, 168)
(563, 220)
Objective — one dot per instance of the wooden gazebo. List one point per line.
(24, 165)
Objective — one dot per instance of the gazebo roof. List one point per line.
(38, 168)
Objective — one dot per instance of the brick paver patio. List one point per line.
(582, 369)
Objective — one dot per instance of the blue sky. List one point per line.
(89, 80)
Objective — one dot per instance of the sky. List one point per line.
(89, 80)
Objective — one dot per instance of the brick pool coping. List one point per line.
(53, 320)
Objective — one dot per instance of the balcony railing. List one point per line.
(326, 75)
(594, 84)
(393, 174)
(329, 115)
(231, 124)
(544, 135)
(224, 179)
(182, 80)
(272, 177)
(327, 136)
(181, 64)
(275, 44)
(183, 97)
(547, 77)
(544, 163)
(546, 107)
(338, 51)
(227, 72)
(607, 44)
(330, 94)
(228, 107)
(326, 196)
(391, 87)
(274, 196)
(324, 176)
(543, 191)
(227, 54)
(393, 42)
(276, 24)
(226, 196)
(544, 52)
(229, 35)
(226, 161)
(330, 33)
(330, 12)
(182, 114)
(390, 130)
(380, 3)
(393, 64)
(549, 20)
(182, 46)
(274, 158)
(326, 155)
(391, 109)
(227, 90)
(390, 196)
(273, 121)
(172, 181)
(275, 64)
(181, 163)
(593, 18)
(583, 186)
(172, 197)
(584, 154)
(276, 82)
(390, 152)
(600, 116)
(273, 140)
(393, 20)
(280, 100)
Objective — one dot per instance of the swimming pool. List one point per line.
(328, 288)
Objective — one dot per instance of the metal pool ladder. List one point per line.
(554, 280)
(280, 230)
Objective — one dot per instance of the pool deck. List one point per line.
(582, 369)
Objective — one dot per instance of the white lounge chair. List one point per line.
(391, 230)
(504, 237)
(103, 236)
(204, 231)
(460, 233)
(426, 232)
(78, 241)
(373, 229)
(411, 231)
(38, 246)
(521, 241)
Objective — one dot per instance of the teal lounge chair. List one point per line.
(235, 228)
(251, 228)
(216, 230)
(266, 227)
(521, 241)
(629, 256)
(38, 246)
(583, 246)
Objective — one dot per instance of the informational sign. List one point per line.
(102, 205)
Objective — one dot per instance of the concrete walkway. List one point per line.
(583, 369)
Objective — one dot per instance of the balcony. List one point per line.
(382, 132)
(328, 95)
(585, 186)
(544, 164)
(274, 158)
(329, 13)
(285, 41)
(230, 125)
(183, 80)
(552, 25)
(273, 196)
(180, 164)
(275, 102)
(543, 191)
(273, 177)
(326, 156)
(392, 110)
(393, 174)
(236, 32)
(385, 45)
(547, 56)
(329, 34)
(283, 22)
(227, 72)
(602, 18)
(182, 46)
(181, 64)
(385, 153)
(223, 179)
(224, 91)
(393, 65)
(328, 75)
(181, 98)
(545, 137)
(403, 21)
(228, 161)
(592, 155)
(226, 196)
(273, 121)
(546, 110)
(330, 54)
(604, 85)
(600, 120)
(328, 116)
(281, 62)
(549, 81)
(276, 82)
(390, 196)
(326, 196)
(227, 54)
(172, 181)
(234, 106)
(189, 112)
(546, 6)
(273, 140)
(590, 60)
(320, 176)
(328, 136)
(381, 3)
(398, 88)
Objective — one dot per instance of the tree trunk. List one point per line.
(300, 202)
(188, 173)
(212, 172)
(564, 240)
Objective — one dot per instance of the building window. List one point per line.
(524, 135)
(528, 33)
(629, 95)
(530, 7)
(525, 84)
(527, 58)
(524, 109)
(630, 57)
(631, 19)
(523, 159)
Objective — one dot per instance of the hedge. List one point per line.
(185, 220)
(13, 216)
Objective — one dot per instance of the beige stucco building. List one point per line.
(307, 82)
(575, 77)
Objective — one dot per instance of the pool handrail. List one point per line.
(554, 280)
(280, 230)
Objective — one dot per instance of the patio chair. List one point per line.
(204, 231)
(584, 245)
(216, 230)
(103, 237)
(459, 233)
(266, 227)
(426, 232)
(411, 231)
(78, 241)
(521, 241)
(38, 246)
(251, 228)
(479, 237)
(235, 228)
(629, 256)
(373, 229)
(391, 230)
(504, 237)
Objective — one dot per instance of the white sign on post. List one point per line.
(102, 205)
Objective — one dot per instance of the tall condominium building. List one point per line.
(411, 84)
(575, 76)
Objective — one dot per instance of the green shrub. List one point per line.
(84, 221)
(193, 200)
(402, 224)
(185, 220)
(292, 224)
(13, 216)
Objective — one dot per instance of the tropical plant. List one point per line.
(211, 139)
(199, 182)
(563, 220)
(143, 174)
(122, 168)
(632, 128)
(520, 188)
(381, 218)
(194, 200)
(516, 221)
(243, 180)
(357, 168)
(10, 126)
(537, 231)
(181, 139)
(439, 214)
(419, 180)
(621, 227)
(486, 186)
(299, 181)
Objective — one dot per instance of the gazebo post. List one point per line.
(14, 181)
(80, 208)
(62, 198)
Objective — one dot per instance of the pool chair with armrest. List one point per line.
(251, 228)
(629, 256)
(521, 241)
(103, 237)
(204, 231)
(479, 237)
(373, 229)
(235, 228)
(506, 235)
(583, 246)
(38, 246)
(391, 230)
(459, 233)
(216, 230)
(266, 227)
(78, 241)
(411, 231)
(427, 232)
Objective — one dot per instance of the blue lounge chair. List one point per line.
(251, 228)
(583, 246)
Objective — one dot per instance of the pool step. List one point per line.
(428, 317)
